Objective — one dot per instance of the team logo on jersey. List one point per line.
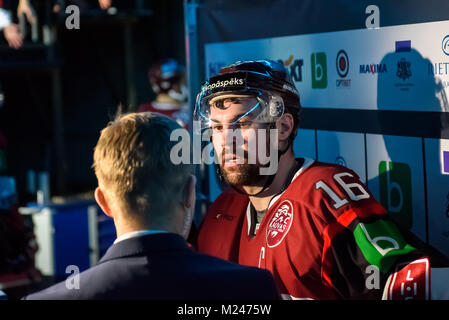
(280, 224)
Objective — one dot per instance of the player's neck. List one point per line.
(285, 166)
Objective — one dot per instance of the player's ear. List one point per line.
(102, 202)
(285, 126)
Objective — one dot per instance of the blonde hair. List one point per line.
(132, 162)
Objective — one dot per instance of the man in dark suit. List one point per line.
(151, 200)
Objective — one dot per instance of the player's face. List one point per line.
(235, 140)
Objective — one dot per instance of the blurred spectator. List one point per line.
(104, 4)
(24, 8)
(167, 79)
(83, 5)
(10, 30)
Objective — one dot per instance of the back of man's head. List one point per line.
(133, 167)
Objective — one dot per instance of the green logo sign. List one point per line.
(319, 70)
(395, 181)
(381, 243)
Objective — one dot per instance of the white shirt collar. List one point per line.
(135, 234)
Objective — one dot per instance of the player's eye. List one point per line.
(216, 127)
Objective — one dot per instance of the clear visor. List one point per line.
(234, 109)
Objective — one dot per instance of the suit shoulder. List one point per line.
(219, 265)
(244, 281)
(89, 284)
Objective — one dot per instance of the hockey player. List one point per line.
(167, 80)
(314, 225)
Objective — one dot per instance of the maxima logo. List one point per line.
(395, 183)
(294, 66)
(319, 70)
(373, 68)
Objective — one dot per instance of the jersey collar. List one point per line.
(307, 163)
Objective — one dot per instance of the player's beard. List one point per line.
(243, 174)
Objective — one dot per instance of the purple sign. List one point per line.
(404, 46)
(446, 161)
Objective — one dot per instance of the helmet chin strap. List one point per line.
(268, 182)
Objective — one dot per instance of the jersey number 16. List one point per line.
(348, 187)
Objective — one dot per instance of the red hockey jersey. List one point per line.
(324, 237)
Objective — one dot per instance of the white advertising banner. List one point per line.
(402, 67)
